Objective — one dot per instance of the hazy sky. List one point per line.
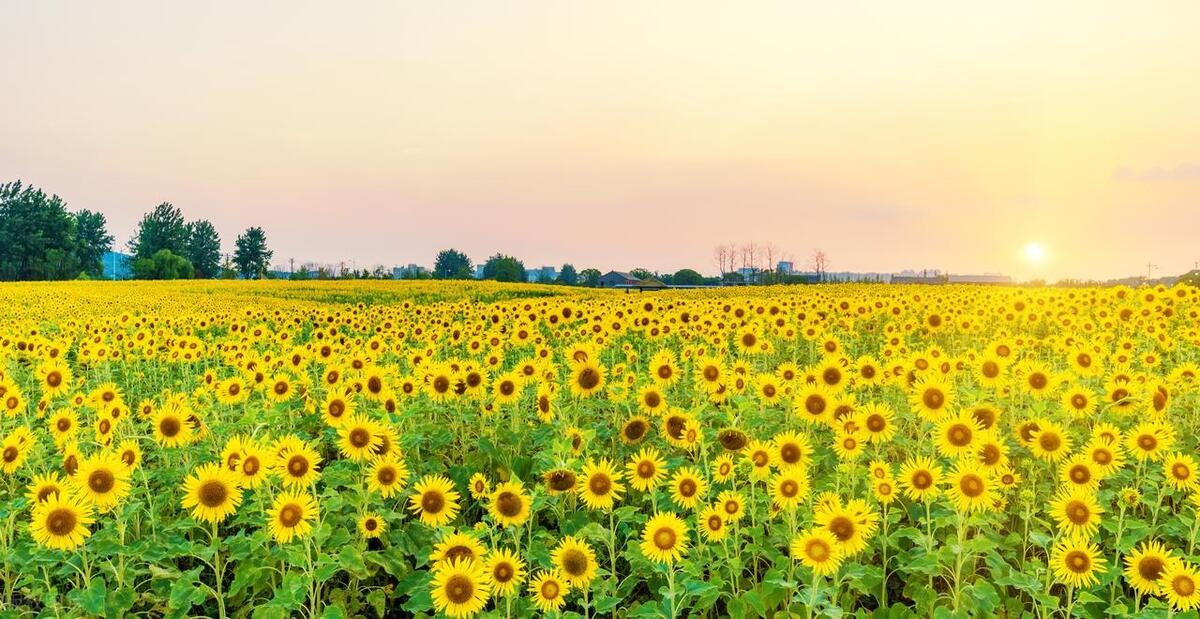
(619, 134)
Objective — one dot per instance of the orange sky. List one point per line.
(614, 135)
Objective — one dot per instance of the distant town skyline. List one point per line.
(941, 134)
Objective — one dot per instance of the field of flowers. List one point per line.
(371, 449)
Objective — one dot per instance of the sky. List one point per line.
(941, 135)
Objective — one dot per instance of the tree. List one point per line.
(162, 228)
(820, 264)
(251, 254)
(204, 249)
(36, 235)
(590, 278)
(504, 269)
(687, 277)
(641, 273)
(567, 275)
(92, 240)
(452, 264)
(163, 265)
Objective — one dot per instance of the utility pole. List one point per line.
(291, 266)
(1150, 267)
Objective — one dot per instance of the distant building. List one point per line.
(986, 278)
(785, 267)
(541, 275)
(612, 279)
(409, 271)
(117, 265)
(479, 271)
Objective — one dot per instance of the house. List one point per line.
(614, 279)
(785, 267)
(541, 275)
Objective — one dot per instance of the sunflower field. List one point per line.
(371, 449)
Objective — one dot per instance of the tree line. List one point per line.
(41, 239)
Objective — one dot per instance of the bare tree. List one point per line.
(769, 252)
(719, 256)
(820, 264)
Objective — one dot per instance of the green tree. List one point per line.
(504, 269)
(452, 264)
(687, 277)
(641, 273)
(251, 254)
(567, 275)
(204, 249)
(590, 278)
(162, 228)
(37, 235)
(92, 240)
(164, 264)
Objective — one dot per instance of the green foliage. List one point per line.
(567, 275)
(204, 249)
(687, 277)
(162, 228)
(163, 265)
(91, 241)
(589, 278)
(504, 269)
(452, 264)
(40, 239)
(252, 256)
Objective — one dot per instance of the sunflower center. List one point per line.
(1080, 474)
(502, 573)
(922, 480)
(1078, 561)
(665, 538)
(599, 484)
(169, 426)
(441, 384)
(1078, 513)
(990, 454)
(508, 504)
(250, 466)
(971, 486)
(711, 373)
(814, 404)
(336, 408)
(1147, 442)
(101, 481)
(432, 502)
(374, 384)
(213, 493)
(297, 466)
(459, 589)
(360, 437)
(646, 469)
(1037, 380)
(817, 550)
(876, 423)
(789, 488)
(960, 435)
(653, 399)
(11, 453)
(370, 524)
(1079, 401)
(589, 378)
(574, 562)
(635, 430)
(1049, 441)
(549, 590)
(1151, 568)
(290, 515)
(842, 528)
(991, 369)
(933, 398)
(1183, 585)
(61, 521)
(456, 553)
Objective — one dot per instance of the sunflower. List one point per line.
(818, 550)
(849, 445)
(1181, 585)
(479, 486)
(722, 468)
(932, 396)
(814, 404)
(63, 424)
(710, 374)
(878, 422)
(1079, 402)
(1106, 457)
(102, 480)
(646, 469)
(587, 378)
(664, 538)
(232, 391)
(789, 488)
(1078, 472)
(759, 453)
(851, 524)
(732, 505)
(54, 377)
(634, 430)
(1150, 440)
(791, 449)
(956, 436)
(44, 486)
(1038, 379)
(371, 525)
(509, 504)
(688, 487)
(1076, 512)
(575, 561)
(651, 400)
(337, 408)
(434, 499)
(884, 490)
(297, 463)
(359, 436)
(1076, 562)
(171, 428)
(460, 588)
(559, 481)
(601, 484)
(212, 493)
(506, 389)
(456, 546)
(971, 488)
(549, 591)
(13, 453)
(663, 369)
(291, 515)
(1180, 472)
(919, 479)
(1146, 566)
(60, 521)
(1050, 442)
(505, 571)
(711, 522)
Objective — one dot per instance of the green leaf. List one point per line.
(92, 598)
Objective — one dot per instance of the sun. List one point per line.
(1034, 253)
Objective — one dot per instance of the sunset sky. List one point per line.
(945, 135)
